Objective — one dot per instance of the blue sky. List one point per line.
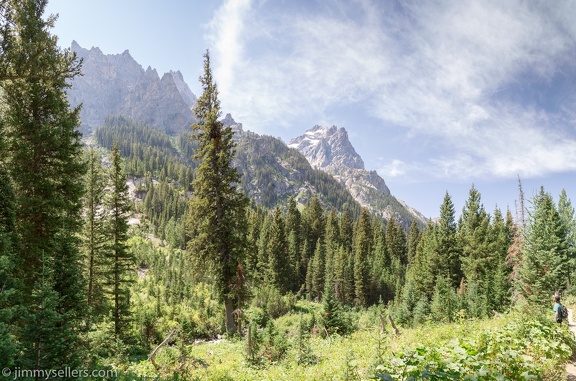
(436, 96)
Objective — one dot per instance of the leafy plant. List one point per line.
(526, 348)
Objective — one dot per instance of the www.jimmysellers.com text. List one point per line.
(47, 374)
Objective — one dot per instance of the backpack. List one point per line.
(564, 311)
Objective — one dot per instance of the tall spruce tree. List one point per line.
(93, 235)
(8, 283)
(217, 211)
(396, 242)
(422, 271)
(278, 269)
(43, 156)
(438, 252)
(447, 250)
(314, 223)
(398, 252)
(413, 238)
(474, 238)
(381, 278)
(255, 221)
(120, 263)
(566, 212)
(545, 253)
(362, 250)
(500, 240)
(317, 271)
(293, 227)
(332, 243)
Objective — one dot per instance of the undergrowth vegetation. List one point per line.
(513, 346)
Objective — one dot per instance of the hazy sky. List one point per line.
(436, 95)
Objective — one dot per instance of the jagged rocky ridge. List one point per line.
(115, 84)
(330, 150)
(273, 172)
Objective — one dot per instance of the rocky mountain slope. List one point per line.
(330, 150)
(271, 172)
(115, 84)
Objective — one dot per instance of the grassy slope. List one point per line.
(529, 343)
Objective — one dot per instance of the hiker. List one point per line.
(557, 309)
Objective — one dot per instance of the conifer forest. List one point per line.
(135, 254)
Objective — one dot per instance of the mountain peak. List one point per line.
(228, 121)
(115, 84)
(327, 146)
(329, 149)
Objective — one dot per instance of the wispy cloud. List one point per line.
(226, 31)
(452, 71)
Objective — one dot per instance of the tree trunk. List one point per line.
(230, 323)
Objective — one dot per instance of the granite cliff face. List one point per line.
(117, 85)
(330, 150)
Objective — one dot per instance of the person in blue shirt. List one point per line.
(557, 309)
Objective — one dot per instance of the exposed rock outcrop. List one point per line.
(115, 84)
(329, 149)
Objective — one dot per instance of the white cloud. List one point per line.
(439, 69)
(227, 27)
(393, 169)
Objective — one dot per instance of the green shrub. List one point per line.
(270, 300)
(265, 346)
(333, 317)
(526, 348)
(304, 353)
(256, 316)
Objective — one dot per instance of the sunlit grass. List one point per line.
(354, 356)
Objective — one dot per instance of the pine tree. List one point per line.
(424, 268)
(396, 242)
(438, 252)
(414, 236)
(262, 256)
(362, 250)
(344, 266)
(332, 244)
(473, 234)
(332, 314)
(93, 234)
(545, 255)
(42, 332)
(293, 228)
(381, 279)
(318, 270)
(500, 240)
(255, 221)
(278, 270)
(217, 212)
(45, 164)
(346, 230)
(120, 263)
(314, 225)
(566, 212)
(8, 283)
(447, 251)
(443, 305)
(397, 250)
(478, 260)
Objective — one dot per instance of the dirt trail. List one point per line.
(571, 366)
